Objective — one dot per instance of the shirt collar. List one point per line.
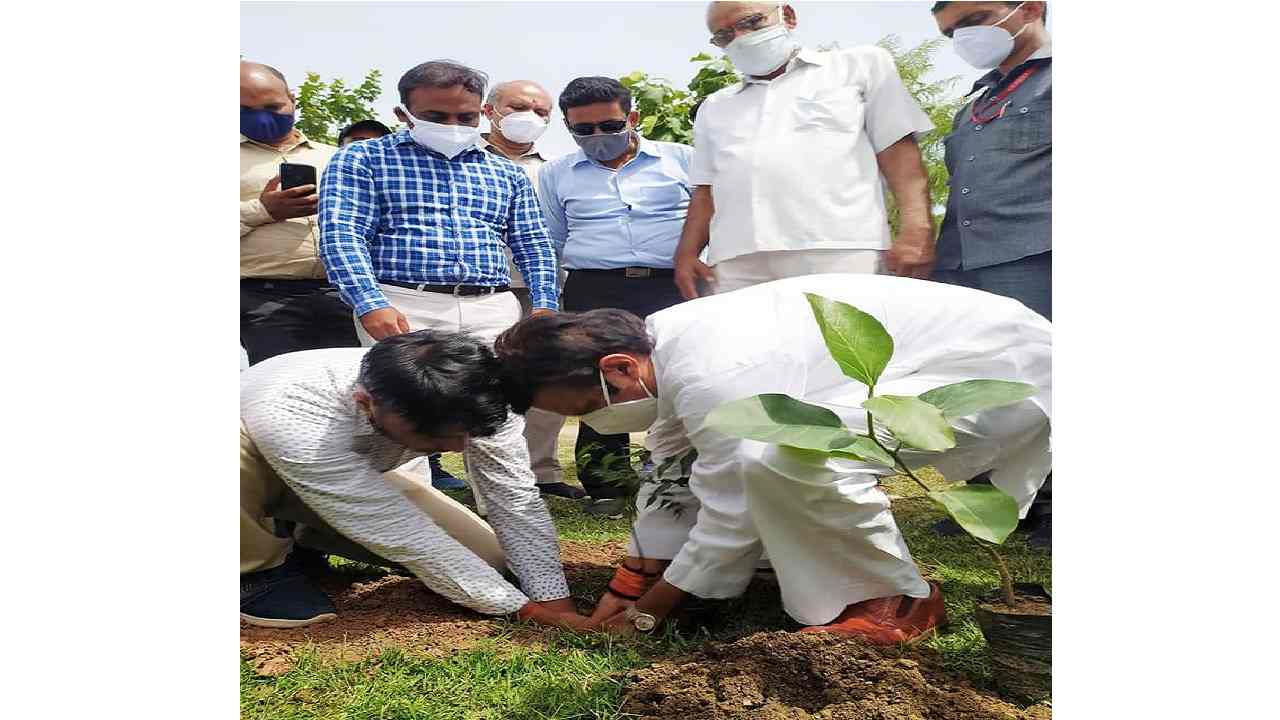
(1045, 52)
(806, 55)
(486, 145)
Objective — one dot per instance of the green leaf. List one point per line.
(701, 57)
(968, 397)
(913, 421)
(985, 512)
(783, 420)
(858, 342)
(866, 450)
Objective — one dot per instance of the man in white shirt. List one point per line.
(841, 562)
(787, 163)
(322, 427)
(518, 112)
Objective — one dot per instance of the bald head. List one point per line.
(263, 87)
(721, 16)
(502, 93)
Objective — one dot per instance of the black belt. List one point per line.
(459, 290)
(632, 272)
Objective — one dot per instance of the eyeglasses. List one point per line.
(611, 127)
(750, 23)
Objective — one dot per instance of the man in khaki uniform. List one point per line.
(286, 304)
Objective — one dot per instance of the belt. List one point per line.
(631, 272)
(458, 290)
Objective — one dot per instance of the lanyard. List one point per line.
(977, 118)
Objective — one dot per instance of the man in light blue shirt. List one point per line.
(614, 210)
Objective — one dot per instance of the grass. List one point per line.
(574, 676)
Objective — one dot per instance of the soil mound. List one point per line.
(777, 675)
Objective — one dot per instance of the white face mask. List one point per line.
(763, 51)
(985, 46)
(520, 127)
(448, 140)
(623, 417)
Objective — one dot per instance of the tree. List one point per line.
(325, 108)
(664, 110)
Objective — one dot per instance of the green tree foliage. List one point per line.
(325, 108)
(664, 110)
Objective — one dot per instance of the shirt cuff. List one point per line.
(728, 580)
(369, 302)
(253, 213)
(543, 300)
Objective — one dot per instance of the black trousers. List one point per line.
(592, 290)
(1028, 280)
(284, 316)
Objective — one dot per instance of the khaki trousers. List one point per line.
(264, 497)
(762, 267)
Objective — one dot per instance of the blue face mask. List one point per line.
(264, 126)
(603, 148)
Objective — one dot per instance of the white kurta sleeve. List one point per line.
(724, 547)
(892, 113)
(311, 454)
(500, 471)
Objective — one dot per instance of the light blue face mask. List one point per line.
(623, 417)
(603, 148)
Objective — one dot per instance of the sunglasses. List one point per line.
(611, 127)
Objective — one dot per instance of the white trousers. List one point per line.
(486, 316)
(762, 267)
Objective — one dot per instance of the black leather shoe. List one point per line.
(563, 490)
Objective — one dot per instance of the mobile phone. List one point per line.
(294, 175)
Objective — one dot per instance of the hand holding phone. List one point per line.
(294, 175)
(295, 202)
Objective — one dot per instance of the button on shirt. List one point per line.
(392, 210)
(1001, 172)
(299, 411)
(604, 219)
(792, 161)
(272, 249)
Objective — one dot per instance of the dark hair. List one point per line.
(564, 349)
(595, 89)
(437, 381)
(939, 5)
(441, 74)
(371, 125)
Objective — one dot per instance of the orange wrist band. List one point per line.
(629, 584)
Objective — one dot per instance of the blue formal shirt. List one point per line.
(391, 209)
(602, 219)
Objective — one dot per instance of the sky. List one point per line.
(548, 42)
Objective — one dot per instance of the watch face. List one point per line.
(644, 623)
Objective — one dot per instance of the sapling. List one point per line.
(861, 347)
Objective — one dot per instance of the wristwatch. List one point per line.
(643, 621)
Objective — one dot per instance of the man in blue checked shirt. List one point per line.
(413, 224)
(615, 209)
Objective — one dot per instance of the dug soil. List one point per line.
(377, 611)
(777, 675)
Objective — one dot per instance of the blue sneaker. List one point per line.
(282, 598)
(441, 479)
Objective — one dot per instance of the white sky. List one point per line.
(549, 42)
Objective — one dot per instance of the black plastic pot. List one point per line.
(1020, 644)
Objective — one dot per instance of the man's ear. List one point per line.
(789, 17)
(363, 399)
(633, 118)
(401, 115)
(618, 367)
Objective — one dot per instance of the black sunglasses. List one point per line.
(609, 126)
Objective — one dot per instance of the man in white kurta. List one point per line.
(825, 524)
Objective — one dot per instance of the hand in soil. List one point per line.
(608, 606)
(556, 613)
(619, 626)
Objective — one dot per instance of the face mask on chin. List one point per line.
(624, 417)
(448, 140)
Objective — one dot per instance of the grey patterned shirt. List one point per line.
(299, 410)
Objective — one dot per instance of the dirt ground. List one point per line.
(377, 611)
(779, 675)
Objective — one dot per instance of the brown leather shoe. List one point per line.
(891, 620)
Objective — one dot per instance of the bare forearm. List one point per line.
(661, 599)
(903, 169)
(697, 224)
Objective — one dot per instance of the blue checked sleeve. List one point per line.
(348, 216)
(531, 245)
